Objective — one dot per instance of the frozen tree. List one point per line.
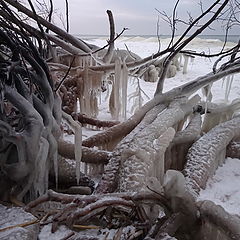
(140, 159)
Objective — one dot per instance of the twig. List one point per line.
(69, 69)
(136, 234)
(85, 226)
(118, 35)
(67, 17)
(159, 41)
(68, 236)
(50, 14)
(20, 225)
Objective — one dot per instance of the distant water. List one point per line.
(230, 38)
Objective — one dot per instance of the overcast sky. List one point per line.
(140, 16)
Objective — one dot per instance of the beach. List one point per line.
(222, 189)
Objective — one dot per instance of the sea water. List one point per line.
(229, 38)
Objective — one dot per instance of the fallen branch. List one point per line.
(78, 209)
(20, 225)
(83, 119)
(89, 155)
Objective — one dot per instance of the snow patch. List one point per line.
(224, 188)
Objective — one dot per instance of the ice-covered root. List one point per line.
(208, 153)
(217, 222)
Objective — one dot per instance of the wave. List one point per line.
(151, 41)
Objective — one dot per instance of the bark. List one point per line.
(88, 208)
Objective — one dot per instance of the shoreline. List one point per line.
(231, 38)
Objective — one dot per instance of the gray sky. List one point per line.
(140, 16)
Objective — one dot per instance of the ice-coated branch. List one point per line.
(127, 126)
(108, 56)
(89, 155)
(208, 153)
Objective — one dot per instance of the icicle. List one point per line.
(100, 97)
(223, 80)
(228, 87)
(124, 90)
(186, 58)
(180, 58)
(78, 106)
(161, 145)
(86, 89)
(109, 81)
(85, 168)
(137, 97)
(206, 90)
(77, 142)
(39, 173)
(53, 154)
(116, 88)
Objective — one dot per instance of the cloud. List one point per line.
(89, 16)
